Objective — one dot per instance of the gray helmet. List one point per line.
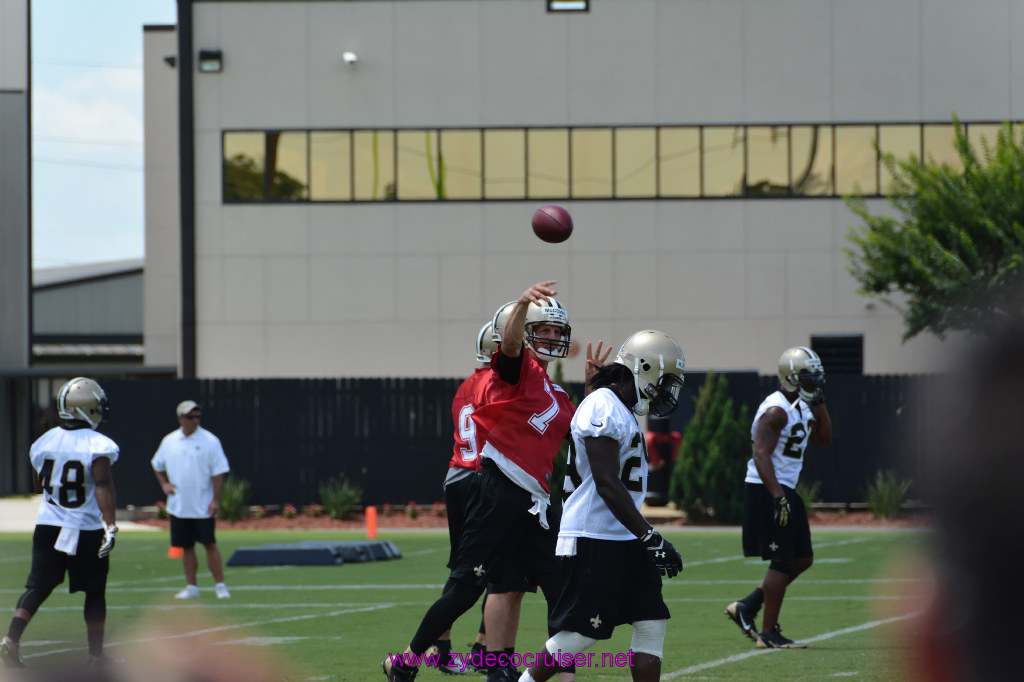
(657, 364)
(485, 343)
(800, 367)
(83, 400)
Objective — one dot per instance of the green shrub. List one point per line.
(886, 494)
(234, 495)
(707, 482)
(339, 497)
(808, 492)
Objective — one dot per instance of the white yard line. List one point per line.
(757, 652)
(222, 628)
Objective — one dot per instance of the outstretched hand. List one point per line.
(595, 360)
(539, 293)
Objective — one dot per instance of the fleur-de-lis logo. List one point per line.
(479, 570)
(595, 622)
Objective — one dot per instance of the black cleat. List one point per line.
(400, 672)
(102, 661)
(773, 639)
(11, 653)
(445, 663)
(744, 617)
(476, 659)
(503, 674)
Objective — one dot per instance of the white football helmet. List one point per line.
(500, 319)
(83, 400)
(657, 364)
(801, 368)
(485, 343)
(554, 314)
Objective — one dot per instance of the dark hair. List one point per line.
(609, 374)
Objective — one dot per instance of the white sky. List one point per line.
(87, 189)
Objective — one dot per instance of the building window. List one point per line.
(840, 353)
(583, 163)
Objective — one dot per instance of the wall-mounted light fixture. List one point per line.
(568, 5)
(211, 61)
(350, 58)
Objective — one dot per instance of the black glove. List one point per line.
(664, 555)
(780, 507)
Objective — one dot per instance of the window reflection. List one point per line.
(939, 147)
(812, 169)
(373, 157)
(460, 164)
(504, 164)
(243, 166)
(723, 161)
(563, 163)
(547, 163)
(767, 160)
(902, 141)
(330, 165)
(418, 176)
(856, 160)
(286, 168)
(636, 162)
(679, 158)
(592, 162)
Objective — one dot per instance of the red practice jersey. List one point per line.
(473, 393)
(528, 421)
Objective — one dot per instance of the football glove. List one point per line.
(812, 396)
(780, 507)
(109, 535)
(664, 555)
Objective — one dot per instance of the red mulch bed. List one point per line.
(307, 521)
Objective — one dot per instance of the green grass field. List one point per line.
(339, 622)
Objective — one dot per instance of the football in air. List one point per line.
(552, 223)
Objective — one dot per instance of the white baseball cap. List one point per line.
(186, 406)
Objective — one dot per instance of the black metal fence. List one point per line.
(393, 436)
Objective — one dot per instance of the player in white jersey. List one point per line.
(615, 557)
(775, 525)
(75, 527)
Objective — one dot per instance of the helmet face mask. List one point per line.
(82, 400)
(486, 343)
(657, 364)
(554, 315)
(801, 368)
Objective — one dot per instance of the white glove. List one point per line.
(813, 397)
(109, 535)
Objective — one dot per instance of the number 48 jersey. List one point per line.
(63, 459)
(585, 513)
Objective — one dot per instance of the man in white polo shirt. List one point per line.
(190, 465)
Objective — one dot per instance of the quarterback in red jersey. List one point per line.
(507, 535)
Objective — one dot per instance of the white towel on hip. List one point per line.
(67, 541)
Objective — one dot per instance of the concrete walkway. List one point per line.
(18, 515)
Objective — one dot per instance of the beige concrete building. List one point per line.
(360, 175)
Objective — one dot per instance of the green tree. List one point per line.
(951, 258)
(707, 482)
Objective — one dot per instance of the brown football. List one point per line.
(552, 223)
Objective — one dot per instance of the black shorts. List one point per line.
(86, 571)
(608, 583)
(458, 496)
(186, 533)
(501, 538)
(761, 537)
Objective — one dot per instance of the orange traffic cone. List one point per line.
(371, 523)
(175, 552)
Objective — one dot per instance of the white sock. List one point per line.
(526, 676)
(221, 585)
